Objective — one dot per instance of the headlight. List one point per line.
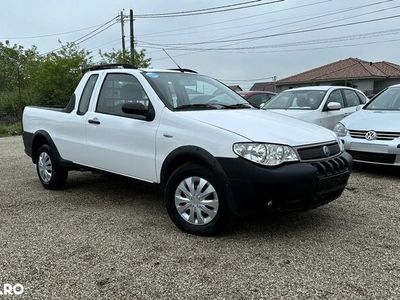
(265, 154)
(340, 129)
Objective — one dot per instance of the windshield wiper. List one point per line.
(238, 105)
(196, 106)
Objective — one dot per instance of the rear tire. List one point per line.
(195, 200)
(50, 173)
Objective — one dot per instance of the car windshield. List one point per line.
(299, 99)
(388, 100)
(191, 91)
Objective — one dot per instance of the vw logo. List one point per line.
(370, 135)
(326, 151)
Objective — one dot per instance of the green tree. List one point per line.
(28, 78)
(118, 57)
(14, 77)
(57, 74)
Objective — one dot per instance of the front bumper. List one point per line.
(290, 187)
(379, 152)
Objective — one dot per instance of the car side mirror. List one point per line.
(334, 106)
(138, 109)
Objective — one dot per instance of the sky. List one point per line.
(278, 54)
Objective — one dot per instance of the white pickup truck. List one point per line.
(213, 154)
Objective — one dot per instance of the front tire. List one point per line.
(50, 173)
(195, 200)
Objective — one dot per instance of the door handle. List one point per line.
(94, 121)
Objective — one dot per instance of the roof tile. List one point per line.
(350, 68)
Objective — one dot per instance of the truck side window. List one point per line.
(117, 90)
(87, 94)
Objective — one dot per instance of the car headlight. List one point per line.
(340, 129)
(265, 154)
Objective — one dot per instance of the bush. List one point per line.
(13, 128)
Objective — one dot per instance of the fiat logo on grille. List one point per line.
(326, 151)
(370, 135)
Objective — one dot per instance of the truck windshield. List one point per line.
(300, 100)
(388, 100)
(183, 91)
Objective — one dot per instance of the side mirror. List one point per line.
(138, 109)
(334, 106)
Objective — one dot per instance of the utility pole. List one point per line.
(122, 34)
(132, 37)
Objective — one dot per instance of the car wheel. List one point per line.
(51, 174)
(195, 200)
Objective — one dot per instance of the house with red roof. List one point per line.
(369, 77)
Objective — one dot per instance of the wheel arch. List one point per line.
(40, 138)
(186, 154)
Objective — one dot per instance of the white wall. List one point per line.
(364, 85)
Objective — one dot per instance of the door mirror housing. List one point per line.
(334, 106)
(139, 109)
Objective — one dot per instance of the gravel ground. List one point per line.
(105, 238)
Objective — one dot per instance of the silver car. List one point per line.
(372, 135)
(321, 105)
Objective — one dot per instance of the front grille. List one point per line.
(380, 135)
(373, 157)
(317, 152)
(333, 175)
(331, 167)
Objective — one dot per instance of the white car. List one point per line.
(211, 152)
(321, 105)
(372, 135)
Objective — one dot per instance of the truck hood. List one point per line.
(264, 126)
(377, 120)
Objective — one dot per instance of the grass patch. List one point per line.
(10, 128)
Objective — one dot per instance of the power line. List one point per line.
(296, 43)
(89, 35)
(48, 35)
(238, 19)
(332, 47)
(283, 33)
(79, 40)
(302, 49)
(273, 21)
(205, 12)
(202, 9)
(324, 15)
(93, 35)
(329, 22)
(299, 43)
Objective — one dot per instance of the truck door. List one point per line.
(118, 142)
